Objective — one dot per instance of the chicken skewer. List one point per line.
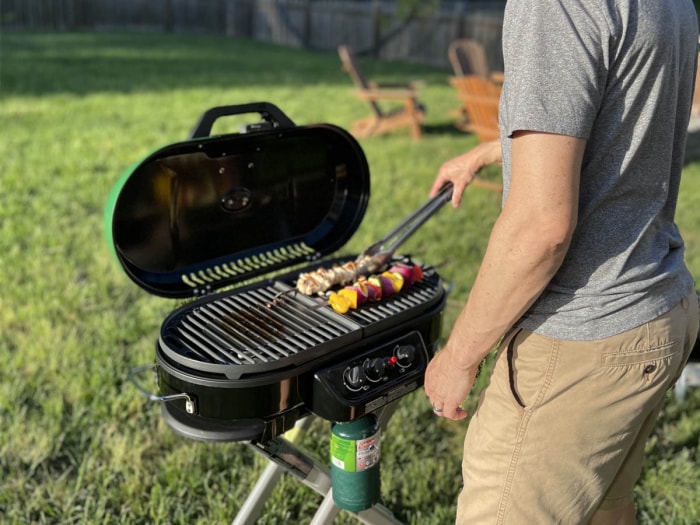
(323, 279)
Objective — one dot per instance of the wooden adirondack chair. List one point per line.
(468, 57)
(408, 114)
(479, 98)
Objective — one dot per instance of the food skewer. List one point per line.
(377, 256)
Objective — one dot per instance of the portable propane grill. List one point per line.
(230, 221)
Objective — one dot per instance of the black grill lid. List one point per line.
(217, 210)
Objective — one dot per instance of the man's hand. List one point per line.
(447, 386)
(461, 170)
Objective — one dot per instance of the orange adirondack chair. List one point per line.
(479, 99)
(409, 113)
(468, 57)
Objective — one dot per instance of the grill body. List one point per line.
(256, 395)
(211, 219)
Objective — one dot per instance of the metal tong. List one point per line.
(380, 253)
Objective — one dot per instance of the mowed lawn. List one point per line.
(80, 444)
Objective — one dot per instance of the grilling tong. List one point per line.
(380, 253)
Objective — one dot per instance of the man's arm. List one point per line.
(526, 247)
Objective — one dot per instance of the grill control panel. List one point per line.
(367, 382)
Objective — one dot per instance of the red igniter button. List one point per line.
(392, 361)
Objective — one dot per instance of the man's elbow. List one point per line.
(554, 238)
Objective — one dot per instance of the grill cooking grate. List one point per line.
(418, 295)
(254, 328)
(234, 330)
(262, 328)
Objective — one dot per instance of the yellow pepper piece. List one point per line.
(397, 280)
(350, 295)
(339, 303)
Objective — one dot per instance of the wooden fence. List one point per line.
(373, 27)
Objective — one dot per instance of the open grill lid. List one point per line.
(217, 210)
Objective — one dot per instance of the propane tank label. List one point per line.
(352, 455)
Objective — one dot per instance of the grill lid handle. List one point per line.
(269, 112)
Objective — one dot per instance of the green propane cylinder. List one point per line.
(355, 453)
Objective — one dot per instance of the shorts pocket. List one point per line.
(531, 362)
(650, 355)
(656, 366)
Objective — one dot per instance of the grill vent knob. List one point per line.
(375, 368)
(405, 355)
(354, 377)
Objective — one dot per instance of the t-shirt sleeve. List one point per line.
(556, 66)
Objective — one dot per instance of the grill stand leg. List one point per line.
(284, 457)
(376, 515)
(254, 503)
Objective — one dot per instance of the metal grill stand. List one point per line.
(285, 456)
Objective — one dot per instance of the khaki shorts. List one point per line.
(561, 428)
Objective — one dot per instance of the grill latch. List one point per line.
(190, 400)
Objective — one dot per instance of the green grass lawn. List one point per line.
(78, 443)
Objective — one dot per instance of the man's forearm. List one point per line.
(515, 270)
(527, 245)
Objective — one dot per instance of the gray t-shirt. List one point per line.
(619, 73)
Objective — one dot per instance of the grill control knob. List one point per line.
(354, 377)
(405, 355)
(375, 368)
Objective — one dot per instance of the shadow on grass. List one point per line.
(36, 64)
(443, 129)
(81, 63)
